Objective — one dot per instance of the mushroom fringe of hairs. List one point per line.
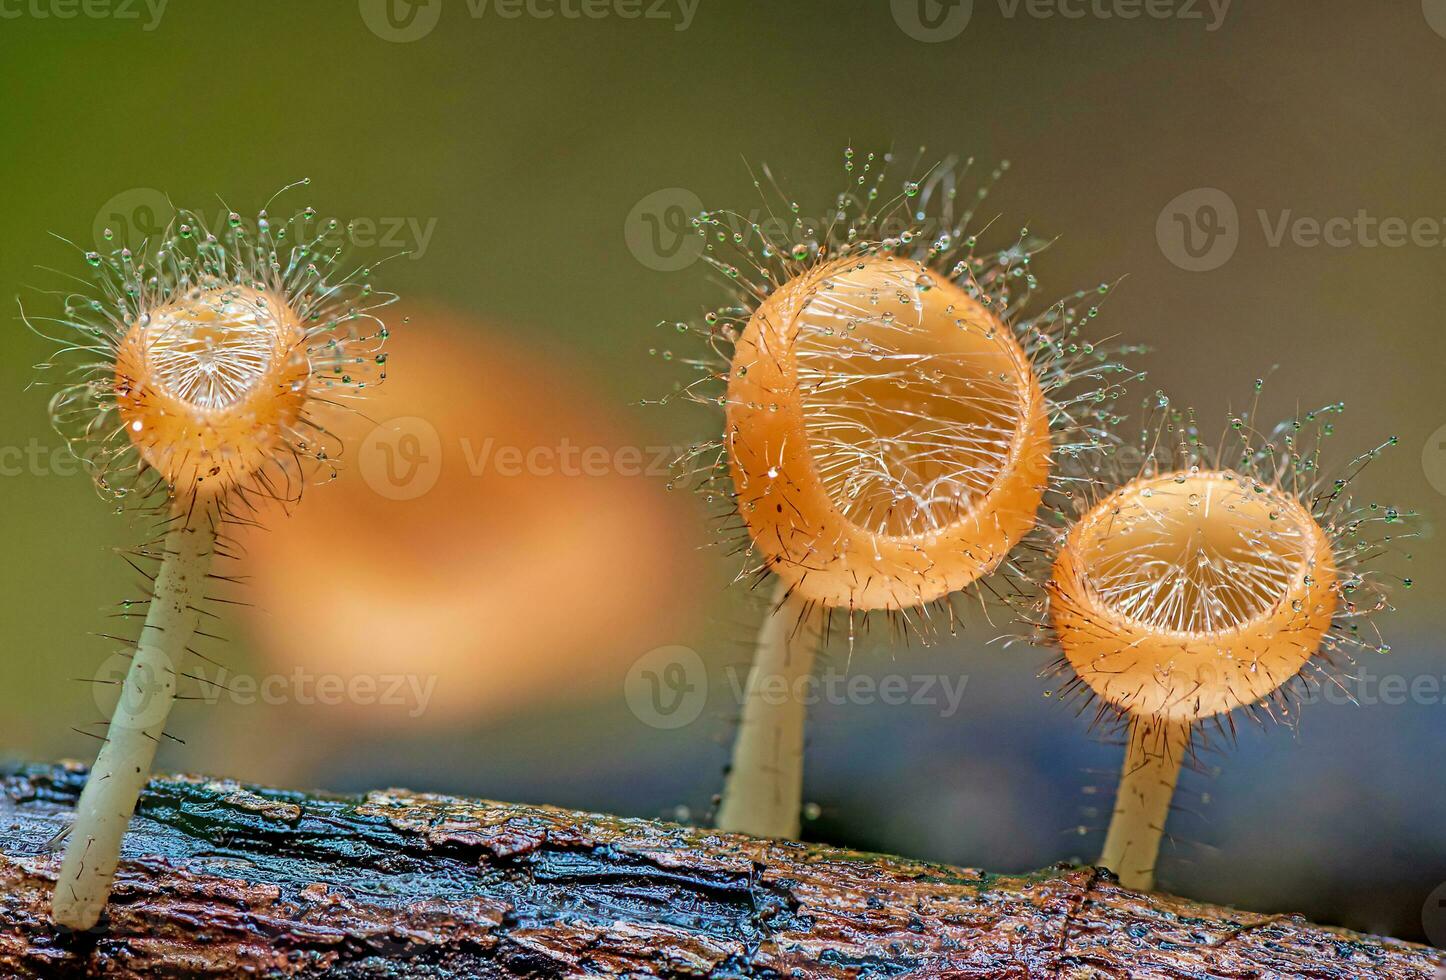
(196, 376)
(890, 414)
(1199, 580)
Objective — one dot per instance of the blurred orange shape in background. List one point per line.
(496, 525)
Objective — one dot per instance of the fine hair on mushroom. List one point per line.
(892, 405)
(1204, 579)
(194, 378)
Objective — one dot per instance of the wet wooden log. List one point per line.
(221, 880)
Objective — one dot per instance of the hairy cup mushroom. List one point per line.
(890, 418)
(205, 368)
(1199, 589)
(889, 444)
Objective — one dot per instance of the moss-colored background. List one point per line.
(530, 140)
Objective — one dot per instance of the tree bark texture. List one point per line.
(219, 880)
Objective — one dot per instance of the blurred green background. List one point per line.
(522, 149)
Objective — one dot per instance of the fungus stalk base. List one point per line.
(764, 792)
(1152, 767)
(124, 764)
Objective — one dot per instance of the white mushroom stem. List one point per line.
(763, 795)
(1152, 767)
(137, 726)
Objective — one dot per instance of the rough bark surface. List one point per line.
(220, 879)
